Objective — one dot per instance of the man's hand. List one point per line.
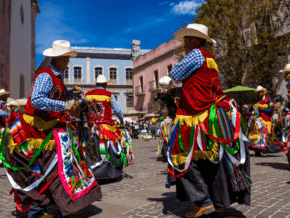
(77, 90)
(68, 107)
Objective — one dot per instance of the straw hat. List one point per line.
(13, 103)
(60, 48)
(165, 82)
(260, 88)
(3, 92)
(102, 79)
(195, 30)
(286, 69)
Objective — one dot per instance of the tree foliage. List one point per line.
(250, 38)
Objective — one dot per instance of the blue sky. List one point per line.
(110, 24)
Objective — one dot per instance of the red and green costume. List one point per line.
(207, 152)
(110, 158)
(38, 146)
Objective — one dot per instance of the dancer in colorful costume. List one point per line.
(44, 167)
(109, 159)
(3, 114)
(260, 123)
(3, 107)
(126, 142)
(208, 125)
(286, 115)
(277, 138)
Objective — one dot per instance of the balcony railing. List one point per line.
(78, 81)
(128, 82)
(128, 109)
(137, 90)
(151, 85)
(113, 81)
(66, 81)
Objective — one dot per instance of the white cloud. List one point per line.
(186, 7)
(165, 3)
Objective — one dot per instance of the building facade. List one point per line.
(5, 24)
(148, 69)
(17, 45)
(115, 64)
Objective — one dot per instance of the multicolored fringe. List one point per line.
(239, 179)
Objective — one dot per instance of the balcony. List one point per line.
(66, 81)
(113, 81)
(128, 82)
(129, 109)
(152, 87)
(138, 91)
(78, 81)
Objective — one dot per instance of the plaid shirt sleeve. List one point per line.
(116, 108)
(39, 98)
(190, 63)
(2, 112)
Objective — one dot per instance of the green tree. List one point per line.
(251, 38)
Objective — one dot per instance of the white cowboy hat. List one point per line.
(195, 30)
(286, 69)
(13, 103)
(60, 48)
(165, 82)
(102, 79)
(260, 88)
(3, 92)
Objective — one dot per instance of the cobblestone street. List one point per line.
(142, 192)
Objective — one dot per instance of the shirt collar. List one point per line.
(54, 70)
(98, 87)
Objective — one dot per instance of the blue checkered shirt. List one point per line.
(115, 106)
(193, 60)
(41, 89)
(3, 113)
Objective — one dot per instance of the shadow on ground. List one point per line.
(278, 166)
(90, 211)
(171, 206)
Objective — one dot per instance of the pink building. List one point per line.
(148, 69)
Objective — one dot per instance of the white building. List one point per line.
(22, 46)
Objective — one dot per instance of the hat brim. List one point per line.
(286, 71)
(4, 93)
(179, 35)
(103, 82)
(49, 53)
(264, 90)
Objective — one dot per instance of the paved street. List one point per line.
(142, 192)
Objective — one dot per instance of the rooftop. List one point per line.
(107, 50)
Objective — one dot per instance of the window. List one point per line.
(141, 83)
(77, 73)
(156, 78)
(129, 101)
(22, 14)
(129, 74)
(4, 6)
(22, 83)
(113, 75)
(65, 73)
(169, 68)
(98, 71)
